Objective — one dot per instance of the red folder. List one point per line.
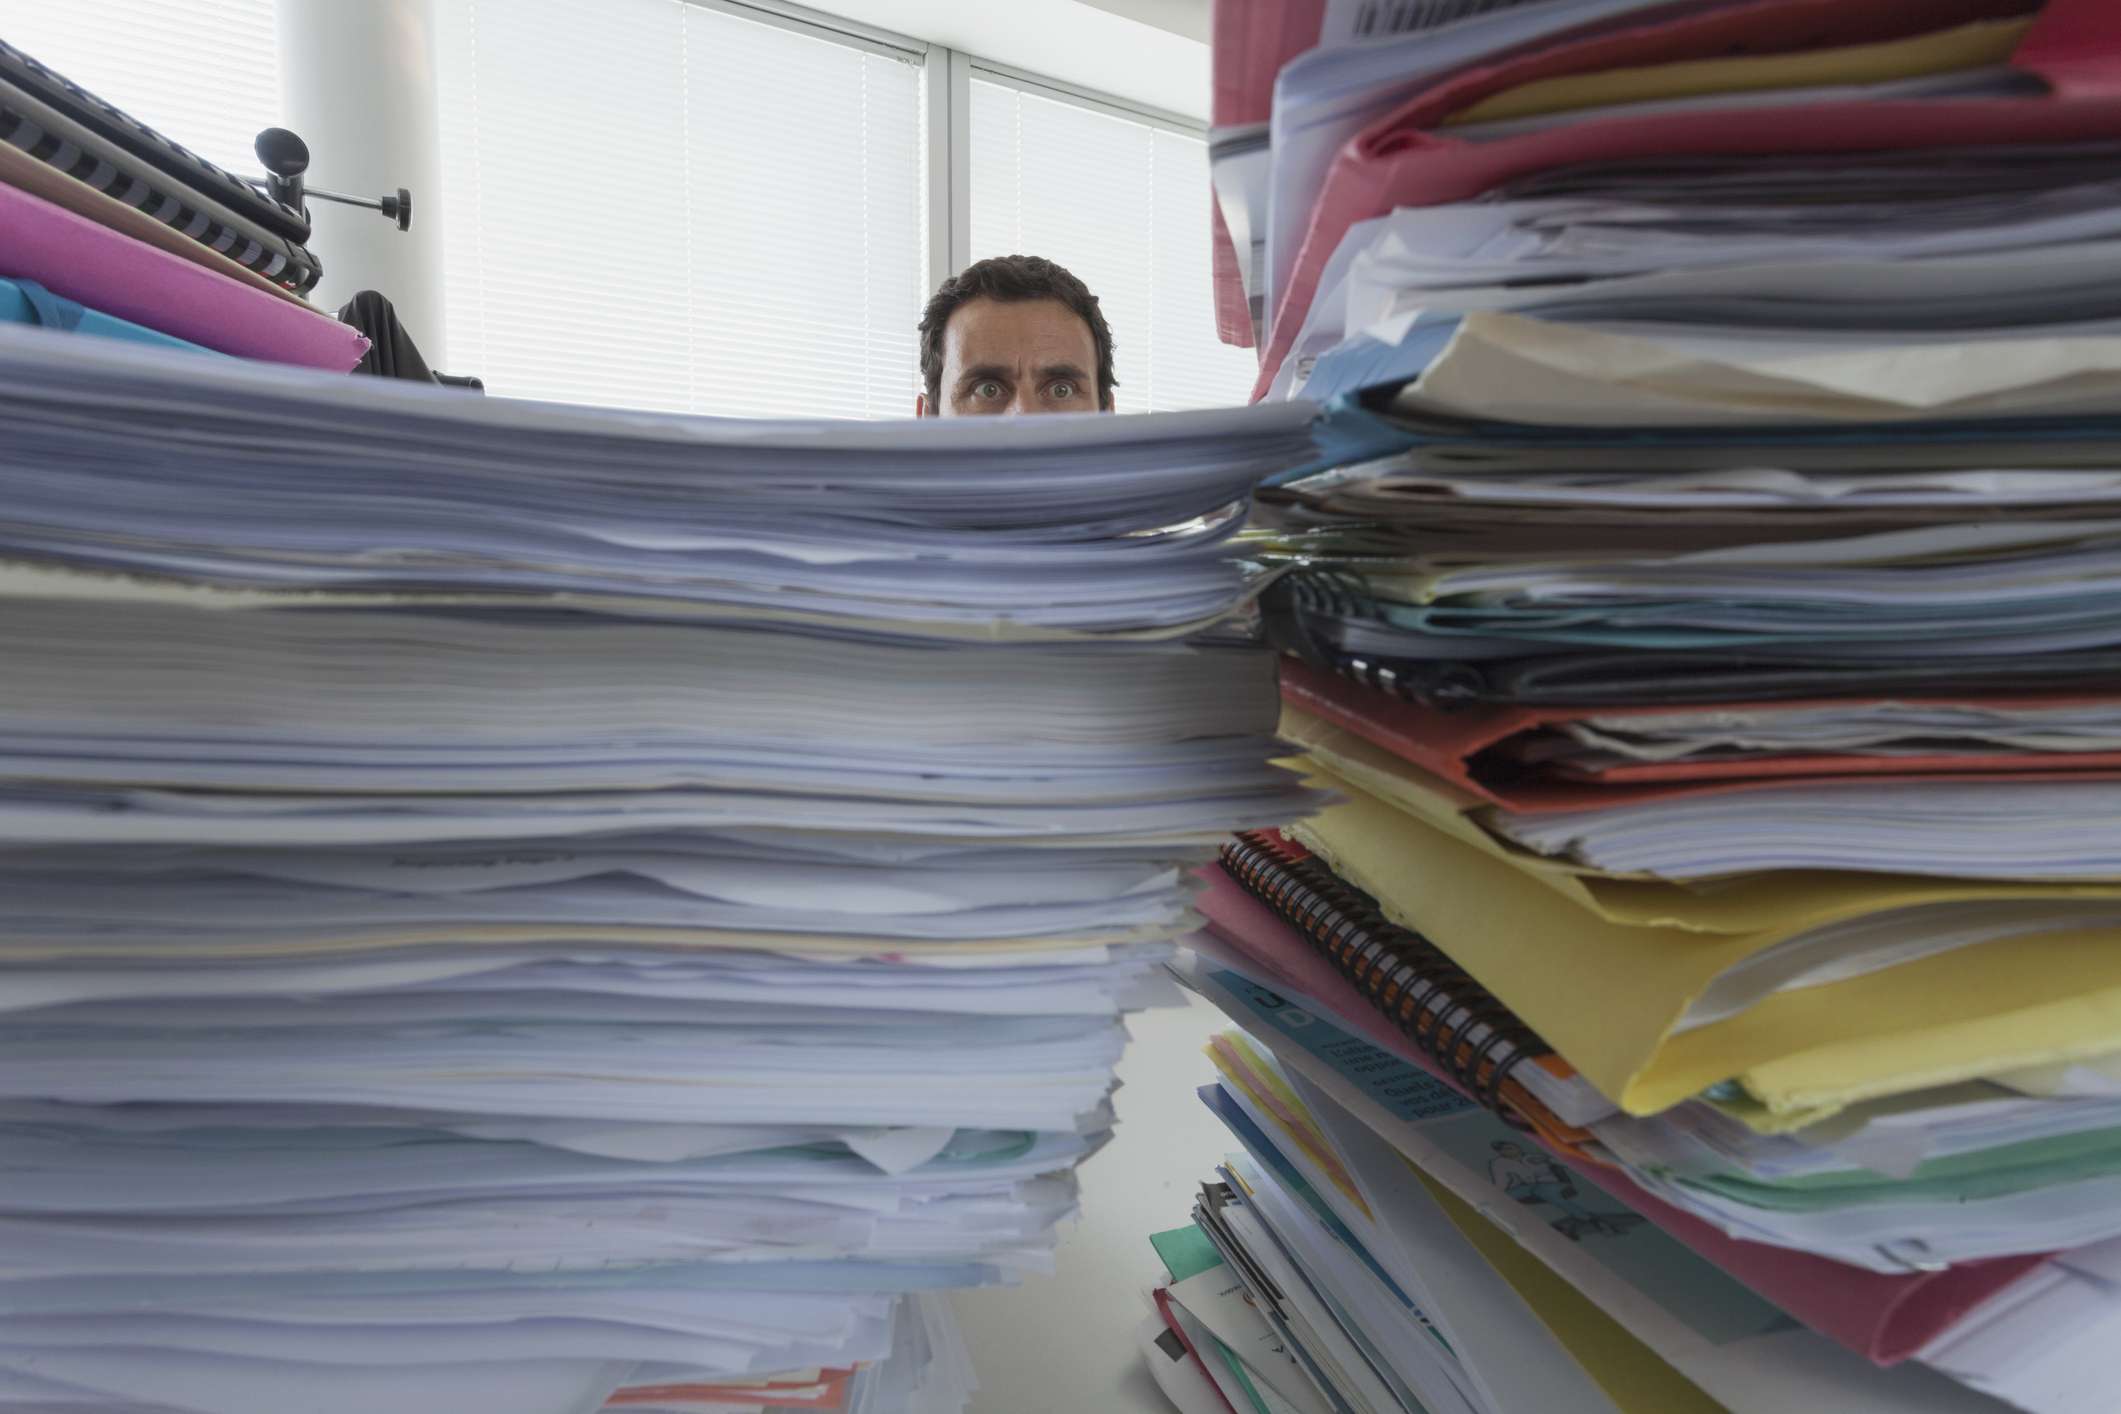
(1458, 748)
(1251, 40)
(1162, 1297)
(1884, 1318)
(1406, 159)
(828, 1393)
(1233, 314)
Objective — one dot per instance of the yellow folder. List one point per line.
(1962, 47)
(1636, 1378)
(1784, 902)
(1607, 993)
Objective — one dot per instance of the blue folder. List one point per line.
(27, 302)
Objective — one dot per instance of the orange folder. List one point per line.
(1465, 748)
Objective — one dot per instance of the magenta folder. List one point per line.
(1883, 1318)
(1409, 158)
(91, 264)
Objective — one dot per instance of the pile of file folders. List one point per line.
(108, 227)
(1708, 613)
(510, 907)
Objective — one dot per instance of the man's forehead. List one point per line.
(1038, 331)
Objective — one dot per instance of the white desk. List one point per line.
(1064, 1344)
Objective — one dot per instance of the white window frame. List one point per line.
(959, 69)
(947, 93)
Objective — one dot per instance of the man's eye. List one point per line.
(1063, 389)
(987, 389)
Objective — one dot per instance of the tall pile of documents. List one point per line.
(509, 907)
(1707, 613)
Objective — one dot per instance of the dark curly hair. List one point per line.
(1013, 277)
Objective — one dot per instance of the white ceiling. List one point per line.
(1186, 17)
(1152, 52)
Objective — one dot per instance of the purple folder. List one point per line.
(78, 259)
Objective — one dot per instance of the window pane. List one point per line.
(203, 73)
(1124, 205)
(656, 204)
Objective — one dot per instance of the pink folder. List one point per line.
(1882, 1318)
(1162, 1297)
(91, 264)
(1233, 316)
(1252, 39)
(1408, 159)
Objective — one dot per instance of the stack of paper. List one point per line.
(514, 908)
(1573, 157)
(1388, 1244)
(1704, 605)
(1295, 80)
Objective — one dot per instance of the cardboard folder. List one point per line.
(1410, 158)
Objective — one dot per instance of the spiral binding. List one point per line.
(1440, 684)
(1296, 607)
(1293, 605)
(1435, 1002)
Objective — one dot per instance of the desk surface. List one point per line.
(1064, 1344)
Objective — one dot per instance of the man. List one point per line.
(1014, 334)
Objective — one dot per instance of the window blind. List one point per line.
(1124, 205)
(204, 73)
(656, 204)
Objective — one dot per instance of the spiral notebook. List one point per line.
(1451, 1017)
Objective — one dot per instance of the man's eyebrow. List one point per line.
(1063, 370)
(985, 370)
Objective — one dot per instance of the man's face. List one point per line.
(1015, 356)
